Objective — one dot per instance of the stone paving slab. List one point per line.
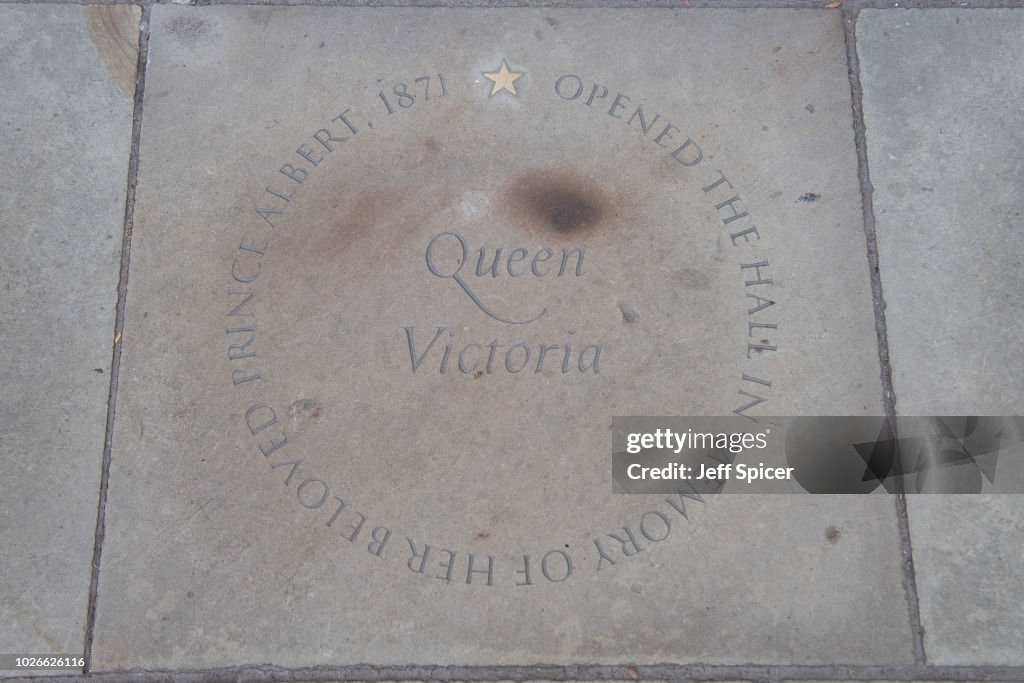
(293, 434)
(67, 84)
(943, 147)
(969, 561)
(942, 151)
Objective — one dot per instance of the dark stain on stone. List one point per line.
(552, 21)
(629, 313)
(482, 536)
(810, 108)
(98, 370)
(809, 198)
(478, 374)
(304, 407)
(558, 203)
(691, 278)
(432, 145)
(832, 534)
(188, 30)
(378, 209)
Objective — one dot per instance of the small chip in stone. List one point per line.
(629, 314)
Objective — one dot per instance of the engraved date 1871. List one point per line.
(402, 97)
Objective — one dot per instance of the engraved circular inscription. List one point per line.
(428, 345)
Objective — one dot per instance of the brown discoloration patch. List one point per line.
(367, 213)
(368, 210)
(482, 536)
(432, 145)
(114, 30)
(375, 223)
(558, 203)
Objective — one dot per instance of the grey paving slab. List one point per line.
(942, 152)
(289, 440)
(65, 132)
(969, 554)
(943, 145)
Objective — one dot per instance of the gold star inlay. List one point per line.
(503, 79)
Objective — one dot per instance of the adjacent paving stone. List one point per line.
(943, 160)
(969, 560)
(269, 151)
(65, 130)
(943, 147)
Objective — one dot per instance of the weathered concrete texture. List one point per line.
(943, 152)
(942, 98)
(212, 547)
(65, 131)
(969, 560)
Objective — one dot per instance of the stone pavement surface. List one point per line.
(67, 84)
(346, 434)
(947, 197)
